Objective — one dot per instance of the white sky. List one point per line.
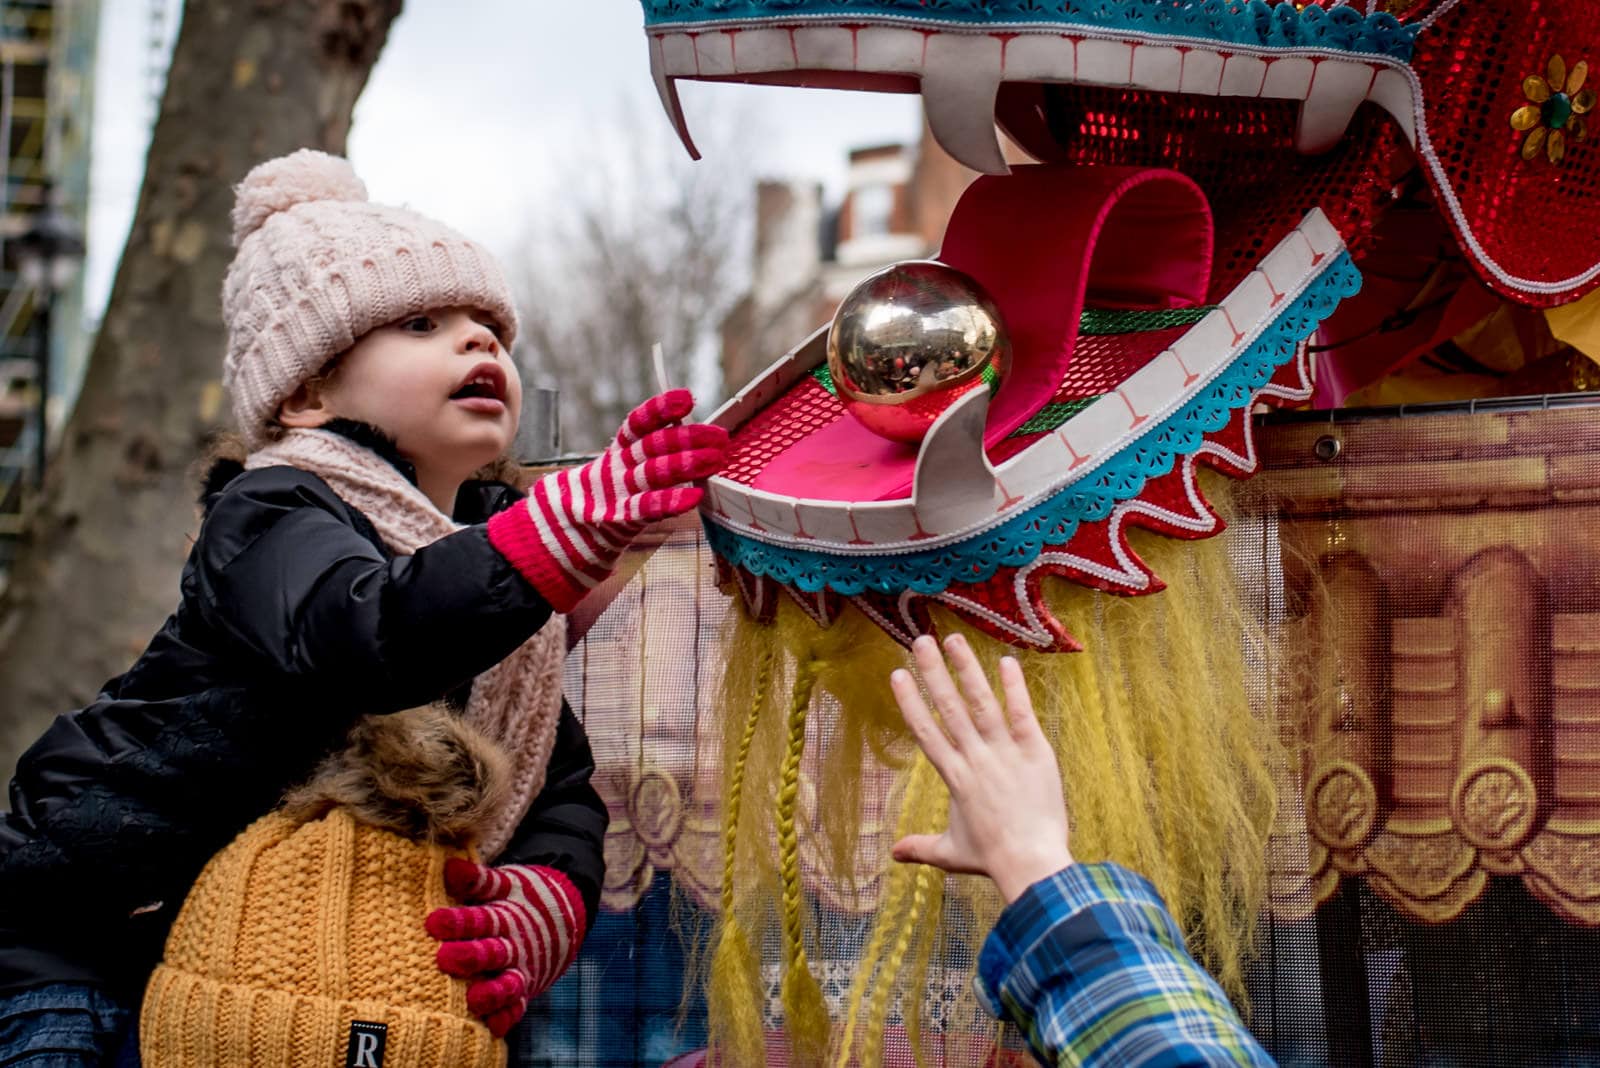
(474, 102)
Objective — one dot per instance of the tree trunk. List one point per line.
(97, 571)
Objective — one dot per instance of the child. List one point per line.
(369, 370)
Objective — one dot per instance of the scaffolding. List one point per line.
(47, 57)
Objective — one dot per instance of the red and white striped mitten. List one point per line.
(579, 520)
(519, 929)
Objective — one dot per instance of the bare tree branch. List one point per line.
(641, 245)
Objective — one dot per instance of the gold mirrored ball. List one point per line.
(908, 340)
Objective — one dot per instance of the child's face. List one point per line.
(439, 383)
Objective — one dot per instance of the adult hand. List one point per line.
(1007, 817)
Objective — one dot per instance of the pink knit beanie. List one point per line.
(318, 266)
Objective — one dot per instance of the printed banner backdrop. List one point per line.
(1437, 899)
(1430, 581)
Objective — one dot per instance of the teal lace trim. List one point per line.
(1053, 521)
(1242, 22)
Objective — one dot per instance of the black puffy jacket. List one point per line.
(294, 621)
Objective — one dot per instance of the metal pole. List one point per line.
(42, 379)
(539, 435)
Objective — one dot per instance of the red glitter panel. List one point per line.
(1538, 219)
(803, 410)
(1240, 151)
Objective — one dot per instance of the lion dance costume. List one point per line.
(1212, 177)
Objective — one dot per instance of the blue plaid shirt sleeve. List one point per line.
(1089, 964)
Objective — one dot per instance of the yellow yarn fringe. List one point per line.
(916, 923)
(894, 917)
(735, 966)
(805, 1014)
(1166, 769)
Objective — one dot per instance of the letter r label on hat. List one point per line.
(366, 1044)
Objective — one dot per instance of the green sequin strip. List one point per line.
(1051, 416)
(1099, 322)
(824, 376)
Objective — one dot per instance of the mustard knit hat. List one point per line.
(303, 944)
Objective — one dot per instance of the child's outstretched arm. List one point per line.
(302, 592)
(579, 520)
(1085, 959)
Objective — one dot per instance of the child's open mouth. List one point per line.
(483, 390)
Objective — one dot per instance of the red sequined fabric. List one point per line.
(1538, 219)
(1530, 226)
(1240, 151)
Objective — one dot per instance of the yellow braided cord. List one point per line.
(804, 1011)
(897, 890)
(1166, 766)
(914, 818)
(733, 797)
(898, 885)
(735, 968)
(929, 904)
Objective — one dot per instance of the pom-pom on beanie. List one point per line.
(319, 265)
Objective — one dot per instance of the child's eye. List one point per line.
(418, 324)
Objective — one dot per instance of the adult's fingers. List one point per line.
(921, 722)
(935, 851)
(917, 849)
(980, 699)
(1019, 704)
(942, 689)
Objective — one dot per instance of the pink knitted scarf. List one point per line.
(518, 701)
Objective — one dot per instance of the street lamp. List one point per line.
(48, 254)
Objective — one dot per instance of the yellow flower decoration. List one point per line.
(1554, 114)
